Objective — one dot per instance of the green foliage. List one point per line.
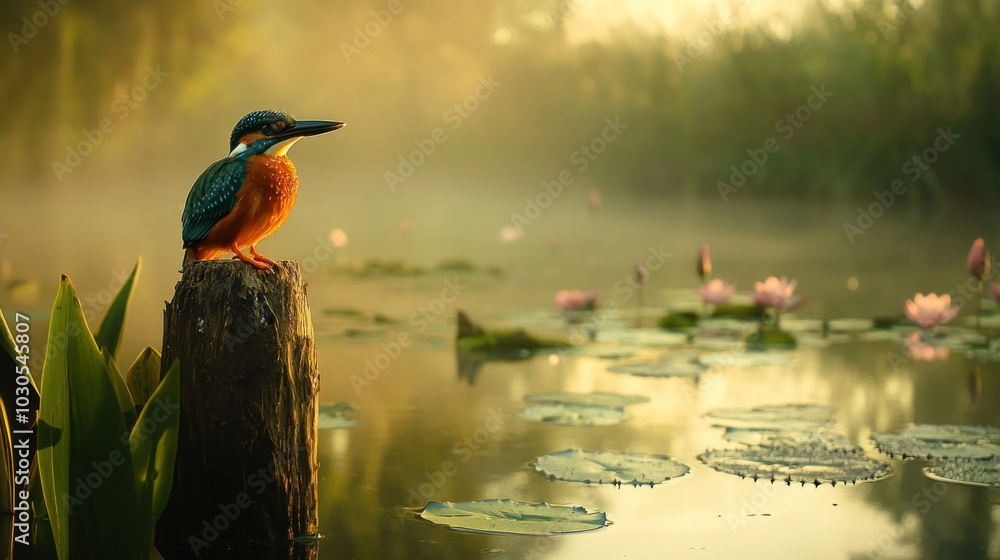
(103, 472)
(678, 321)
(768, 338)
(80, 437)
(6, 485)
(110, 334)
(735, 311)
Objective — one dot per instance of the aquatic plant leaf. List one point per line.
(941, 441)
(143, 376)
(337, 408)
(660, 369)
(649, 338)
(330, 422)
(331, 416)
(778, 417)
(8, 372)
(605, 467)
(513, 517)
(154, 448)
(573, 415)
(610, 400)
(125, 402)
(795, 464)
(6, 486)
(744, 359)
(790, 438)
(80, 435)
(109, 335)
(973, 472)
(850, 325)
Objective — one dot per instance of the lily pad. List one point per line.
(608, 400)
(850, 325)
(788, 417)
(604, 467)
(660, 369)
(574, 415)
(790, 438)
(934, 441)
(744, 359)
(649, 338)
(796, 464)
(331, 416)
(974, 472)
(513, 517)
(678, 321)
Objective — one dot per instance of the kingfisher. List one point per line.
(246, 196)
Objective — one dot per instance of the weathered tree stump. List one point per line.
(246, 457)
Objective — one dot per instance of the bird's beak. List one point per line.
(309, 128)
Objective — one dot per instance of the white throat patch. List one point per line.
(281, 148)
(238, 149)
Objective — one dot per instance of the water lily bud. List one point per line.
(978, 261)
(704, 262)
(641, 274)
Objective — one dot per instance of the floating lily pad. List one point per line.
(513, 517)
(788, 417)
(974, 472)
(678, 321)
(331, 416)
(736, 311)
(604, 467)
(642, 337)
(941, 441)
(766, 339)
(850, 325)
(608, 400)
(790, 438)
(796, 464)
(744, 359)
(574, 415)
(660, 369)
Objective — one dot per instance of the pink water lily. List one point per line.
(641, 274)
(576, 300)
(932, 309)
(716, 292)
(778, 294)
(978, 261)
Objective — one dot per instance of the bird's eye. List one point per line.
(267, 129)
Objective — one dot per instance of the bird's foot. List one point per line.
(242, 257)
(261, 258)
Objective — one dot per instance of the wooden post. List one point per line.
(246, 458)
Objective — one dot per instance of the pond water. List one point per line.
(432, 427)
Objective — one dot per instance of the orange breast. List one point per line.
(262, 205)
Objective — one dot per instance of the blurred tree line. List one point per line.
(697, 98)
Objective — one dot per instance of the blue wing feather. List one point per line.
(212, 198)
